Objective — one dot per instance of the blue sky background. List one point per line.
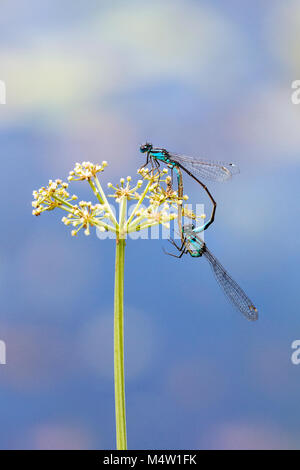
(91, 81)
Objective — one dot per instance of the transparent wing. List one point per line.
(213, 171)
(232, 290)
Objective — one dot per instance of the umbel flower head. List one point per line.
(156, 201)
(50, 197)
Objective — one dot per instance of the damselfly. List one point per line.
(214, 171)
(193, 245)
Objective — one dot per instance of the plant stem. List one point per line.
(119, 347)
(105, 202)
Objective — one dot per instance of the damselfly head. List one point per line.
(146, 147)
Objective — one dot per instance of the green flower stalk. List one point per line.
(156, 203)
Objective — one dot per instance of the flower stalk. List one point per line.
(119, 375)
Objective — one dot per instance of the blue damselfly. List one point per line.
(196, 247)
(214, 171)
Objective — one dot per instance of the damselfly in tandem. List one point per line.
(193, 245)
(213, 171)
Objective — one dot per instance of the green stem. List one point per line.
(119, 347)
(139, 203)
(62, 201)
(95, 191)
(105, 202)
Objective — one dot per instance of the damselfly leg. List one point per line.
(182, 249)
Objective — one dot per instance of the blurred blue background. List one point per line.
(92, 81)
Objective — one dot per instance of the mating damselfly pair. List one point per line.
(191, 242)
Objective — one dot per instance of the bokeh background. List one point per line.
(92, 81)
